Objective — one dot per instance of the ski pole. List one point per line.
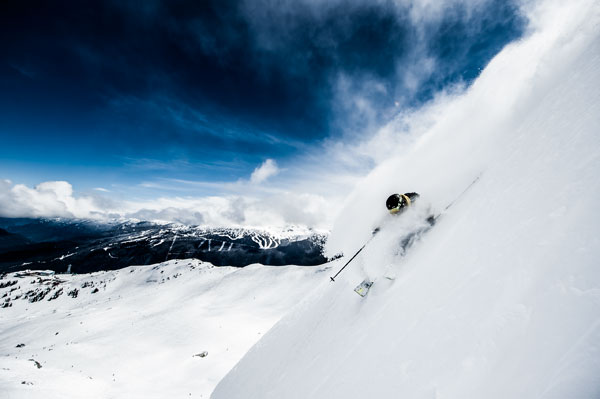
(357, 252)
(464, 191)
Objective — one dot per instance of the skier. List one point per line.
(397, 203)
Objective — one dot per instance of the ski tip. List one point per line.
(363, 288)
(332, 279)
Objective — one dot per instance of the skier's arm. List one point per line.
(412, 196)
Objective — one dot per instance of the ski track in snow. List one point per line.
(266, 242)
(158, 243)
(171, 247)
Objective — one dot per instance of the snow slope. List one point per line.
(501, 299)
(136, 337)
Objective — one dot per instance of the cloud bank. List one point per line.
(275, 210)
(48, 199)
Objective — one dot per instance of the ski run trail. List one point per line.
(500, 299)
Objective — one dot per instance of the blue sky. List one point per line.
(129, 95)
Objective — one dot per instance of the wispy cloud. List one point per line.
(263, 172)
(379, 55)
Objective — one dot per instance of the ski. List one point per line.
(363, 288)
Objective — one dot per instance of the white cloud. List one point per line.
(48, 199)
(263, 172)
(263, 211)
(259, 209)
(102, 190)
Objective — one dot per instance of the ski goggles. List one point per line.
(403, 201)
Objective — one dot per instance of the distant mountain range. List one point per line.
(83, 246)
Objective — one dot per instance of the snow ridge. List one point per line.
(501, 299)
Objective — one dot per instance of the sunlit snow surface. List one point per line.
(138, 334)
(501, 299)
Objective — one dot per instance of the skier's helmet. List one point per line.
(395, 203)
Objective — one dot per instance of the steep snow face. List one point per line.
(169, 330)
(501, 299)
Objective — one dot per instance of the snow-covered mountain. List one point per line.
(83, 246)
(501, 299)
(168, 330)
